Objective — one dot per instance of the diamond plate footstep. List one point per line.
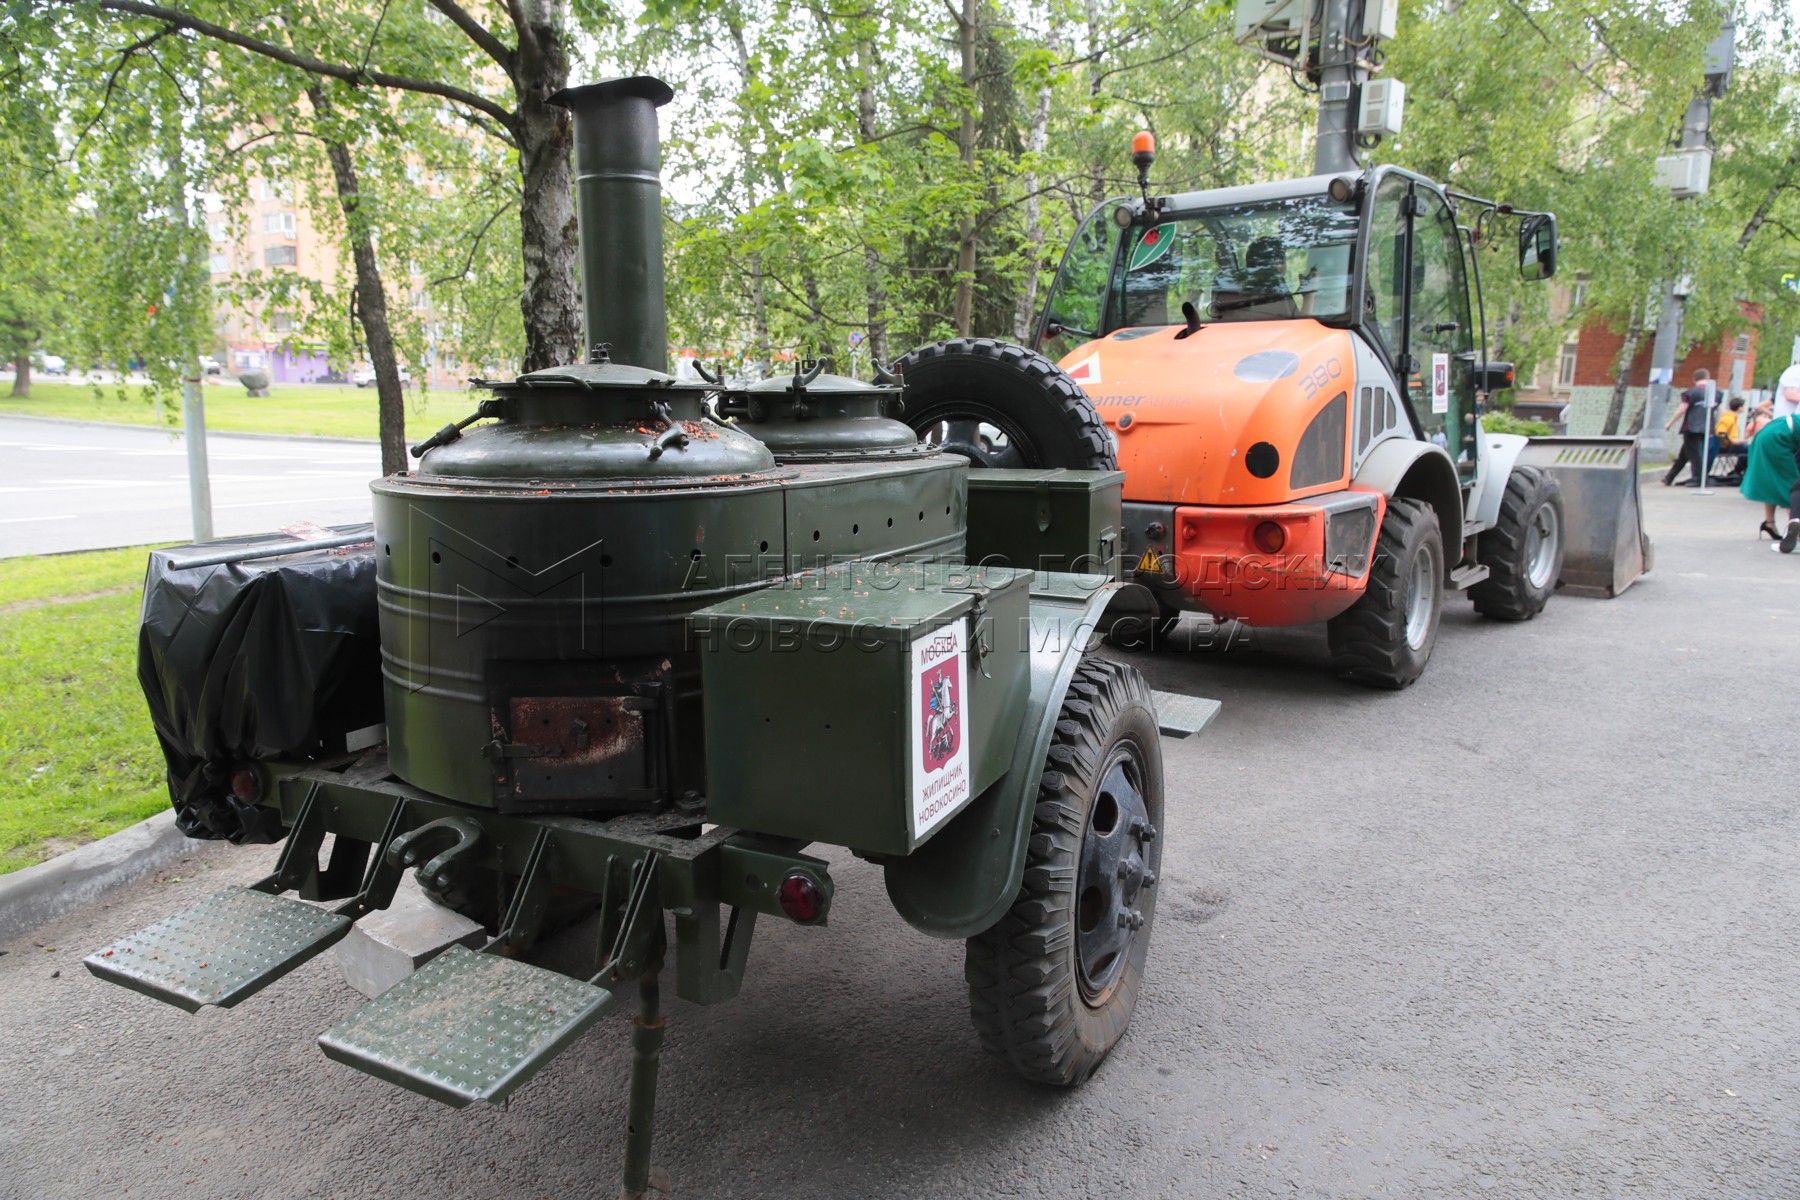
(1183, 716)
(466, 1026)
(225, 948)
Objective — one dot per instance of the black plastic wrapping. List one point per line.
(268, 658)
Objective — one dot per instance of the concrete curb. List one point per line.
(34, 895)
(210, 433)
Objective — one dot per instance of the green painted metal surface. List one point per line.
(960, 882)
(820, 694)
(825, 417)
(222, 950)
(569, 600)
(618, 207)
(466, 1027)
(1046, 520)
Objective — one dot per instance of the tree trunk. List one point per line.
(1615, 410)
(1761, 215)
(21, 388)
(1026, 306)
(874, 289)
(964, 314)
(551, 303)
(371, 299)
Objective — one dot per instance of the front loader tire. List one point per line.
(1053, 984)
(1523, 552)
(1385, 639)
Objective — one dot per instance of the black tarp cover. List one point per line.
(269, 658)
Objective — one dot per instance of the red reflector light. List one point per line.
(800, 899)
(1269, 537)
(245, 785)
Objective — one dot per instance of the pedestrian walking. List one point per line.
(1694, 413)
(1773, 479)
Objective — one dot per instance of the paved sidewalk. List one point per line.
(1528, 929)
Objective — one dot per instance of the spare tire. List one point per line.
(1001, 405)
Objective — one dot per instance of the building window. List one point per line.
(1579, 301)
(1565, 367)
(279, 222)
(1525, 379)
(281, 256)
(1741, 345)
(218, 264)
(281, 322)
(274, 189)
(216, 230)
(249, 358)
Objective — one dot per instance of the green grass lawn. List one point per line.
(78, 759)
(320, 409)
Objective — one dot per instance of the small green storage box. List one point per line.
(1046, 520)
(864, 705)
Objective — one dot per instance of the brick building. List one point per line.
(1584, 373)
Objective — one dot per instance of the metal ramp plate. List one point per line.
(1180, 716)
(466, 1026)
(220, 951)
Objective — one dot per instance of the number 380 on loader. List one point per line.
(630, 645)
(1293, 374)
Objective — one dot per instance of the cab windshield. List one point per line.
(1255, 262)
(1269, 260)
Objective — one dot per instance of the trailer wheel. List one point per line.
(1523, 552)
(1053, 984)
(1001, 405)
(1384, 640)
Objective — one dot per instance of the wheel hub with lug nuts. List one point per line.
(1114, 871)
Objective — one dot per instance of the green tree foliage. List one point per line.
(901, 172)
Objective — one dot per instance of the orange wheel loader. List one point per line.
(1292, 376)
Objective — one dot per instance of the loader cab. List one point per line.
(1382, 253)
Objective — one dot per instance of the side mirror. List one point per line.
(1494, 377)
(1537, 246)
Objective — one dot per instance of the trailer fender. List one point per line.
(964, 879)
(1422, 471)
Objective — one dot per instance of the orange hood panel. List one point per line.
(1187, 411)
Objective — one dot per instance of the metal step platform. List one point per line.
(227, 947)
(1465, 577)
(466, 1026)
(1179, 716)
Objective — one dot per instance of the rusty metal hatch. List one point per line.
(583, 748)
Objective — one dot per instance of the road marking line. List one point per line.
(28, 520)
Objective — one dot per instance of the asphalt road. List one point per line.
(1528, 929)
(84, 486)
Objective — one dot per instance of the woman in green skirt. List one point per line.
(1773, 478)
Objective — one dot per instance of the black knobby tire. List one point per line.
(954, 388)
(1373, 642)
(1053, 984)
(1523, 552)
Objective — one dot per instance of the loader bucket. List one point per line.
(1605, 547)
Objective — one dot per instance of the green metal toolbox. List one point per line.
(900, 686)
(1046, 520)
